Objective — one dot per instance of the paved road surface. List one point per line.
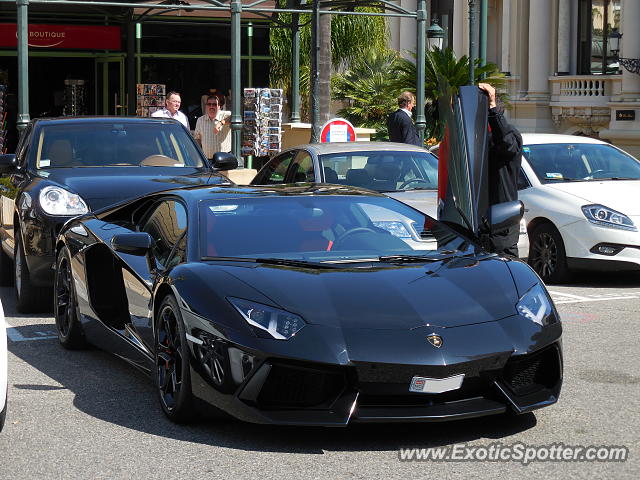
(89, 415)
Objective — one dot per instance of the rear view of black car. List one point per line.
(65, 167)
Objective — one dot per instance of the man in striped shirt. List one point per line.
(213, 129)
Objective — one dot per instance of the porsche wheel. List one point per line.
(65, 308)
(547, 255)
(172, 363)
(29, 298)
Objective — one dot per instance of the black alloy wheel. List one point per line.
(547, 255)
(29, 298)
(70, 331)
(172, 363)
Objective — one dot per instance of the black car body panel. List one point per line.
(320, 304)
(99, 186)
(367, 329)
(463, 189)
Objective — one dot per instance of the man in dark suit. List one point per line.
(400, 122)
(505, 157)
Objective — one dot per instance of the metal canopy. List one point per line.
(264, 8)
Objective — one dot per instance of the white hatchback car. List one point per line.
(582, 208)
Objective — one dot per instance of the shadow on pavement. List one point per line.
(109, 389)
(621, 280)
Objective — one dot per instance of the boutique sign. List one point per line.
(76, 37)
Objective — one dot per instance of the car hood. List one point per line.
(616, 194)
(455, 292)
(423, 200)
(104, 186)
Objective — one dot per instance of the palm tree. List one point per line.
(351, 36)
(454, 71)
(367, 90)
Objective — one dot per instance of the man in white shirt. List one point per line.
(213, 129)
(171, 109)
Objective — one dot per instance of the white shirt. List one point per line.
(211, 141)
(408, 112)
(165, 113)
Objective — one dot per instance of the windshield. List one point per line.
(109, 143)
(382, 171)
(563, 162)
(320, 228)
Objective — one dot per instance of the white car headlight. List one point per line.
(280, 324)
(58, 201)
(606, 217)
(397, 229)
(535, 305)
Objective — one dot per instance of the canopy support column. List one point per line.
(421, 17)
(23, 64)
(236, 93)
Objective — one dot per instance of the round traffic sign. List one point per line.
(337, 130)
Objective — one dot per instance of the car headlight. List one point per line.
(606, 217)
(58, 201)
(280, 324)
(535, 306)
(397, 229)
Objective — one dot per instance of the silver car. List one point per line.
(405, 172)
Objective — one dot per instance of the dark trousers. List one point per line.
(505, 241)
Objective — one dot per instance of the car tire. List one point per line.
(29, 298)
(6, 269)
(3, 415)
(547, 254)
(173, 377)
(65, 308)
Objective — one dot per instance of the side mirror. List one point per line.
(7, 163)
(506, 215)
(132, 243)
(224, 161)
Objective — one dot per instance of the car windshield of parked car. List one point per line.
(110, 143)
(321, 228)
(382, 171)
(565, 162)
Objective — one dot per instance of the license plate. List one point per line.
(436, 385)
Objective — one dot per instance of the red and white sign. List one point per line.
(77, 37)
(337, 130)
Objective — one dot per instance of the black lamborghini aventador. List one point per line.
(314, 304)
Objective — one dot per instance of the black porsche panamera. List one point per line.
(67, 166)
(315, 304)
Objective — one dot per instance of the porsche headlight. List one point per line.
(397, 229)
(606, 217)
(535, 305)
(58, 201)
(280, 324)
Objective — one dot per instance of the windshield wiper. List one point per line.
(565, 179)
(270, 261)
(410, 258)
(612, 178)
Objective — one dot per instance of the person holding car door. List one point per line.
(505, 157)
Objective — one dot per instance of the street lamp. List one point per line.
(632, 65)
(435, 35)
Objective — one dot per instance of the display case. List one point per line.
(74, 97)
(262, 133)
(3, 117)
(150, 98)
